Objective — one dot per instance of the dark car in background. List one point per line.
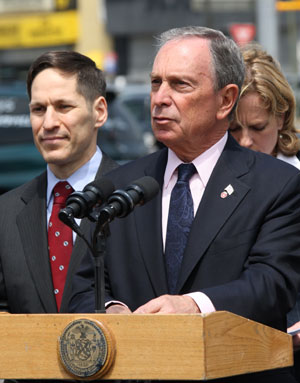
(136, 98)
(121, 137)
(19, 159)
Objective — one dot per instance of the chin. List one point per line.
(164, 137)
(55, 158)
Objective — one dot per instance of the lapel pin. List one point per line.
(227, 191)
(223, 194)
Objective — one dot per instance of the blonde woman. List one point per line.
(265, 115)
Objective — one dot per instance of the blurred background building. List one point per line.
(119, 36)
(29, 28)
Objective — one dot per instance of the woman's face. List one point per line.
(255, 127)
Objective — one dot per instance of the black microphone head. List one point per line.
(95, 193)
(148, 185)
(101, 186)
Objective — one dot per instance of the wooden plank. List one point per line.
(174, 347)
(158, 347)
(235, 345)
(147, 346)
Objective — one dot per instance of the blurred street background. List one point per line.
(119, 36)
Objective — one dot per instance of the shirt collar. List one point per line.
(293, 160)
(204, 163)
(80, 178)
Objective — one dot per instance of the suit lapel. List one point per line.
(149, 228)
(106, 165)
(214, 211)
(32, 225)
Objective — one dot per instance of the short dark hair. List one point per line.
(90, 79)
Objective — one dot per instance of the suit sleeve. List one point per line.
(268, 285)
(3, 296)
(83, 298)
(83, 287)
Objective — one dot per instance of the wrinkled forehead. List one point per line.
(188, 45)
(187, 53)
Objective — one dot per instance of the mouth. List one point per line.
(52, 140)
(162, 120)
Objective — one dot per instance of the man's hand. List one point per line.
(169, 304)
(117, 309)
(296, 337)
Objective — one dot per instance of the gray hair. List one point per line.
(226, 56)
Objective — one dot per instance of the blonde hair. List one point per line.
(264, 76)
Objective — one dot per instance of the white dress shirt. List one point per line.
(293, 160)
(77, 180)
(204, 165)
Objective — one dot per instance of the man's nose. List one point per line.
(162, 95)
(50, 119)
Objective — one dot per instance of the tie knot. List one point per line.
(185, 172)
(61, 192)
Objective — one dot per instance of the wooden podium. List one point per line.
(143, 347)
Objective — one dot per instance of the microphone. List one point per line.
(122, 202)
(79, 204)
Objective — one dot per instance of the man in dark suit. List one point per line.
(67, 107)
(241, 251)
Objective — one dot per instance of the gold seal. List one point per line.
(86, 348)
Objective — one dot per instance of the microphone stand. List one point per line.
(120, 204)
(99, 245)
(98, 249)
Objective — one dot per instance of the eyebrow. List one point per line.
(153, 74)
(60, 100)
(35, 103)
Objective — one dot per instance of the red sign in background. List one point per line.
(242, 33)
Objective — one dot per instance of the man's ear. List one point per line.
(227, 97)
(100, 110)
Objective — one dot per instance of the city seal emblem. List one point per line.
(86, 348)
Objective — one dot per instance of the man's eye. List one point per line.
(155, 83)
(36, 109)
(155, 80)
(64, 106)
(181, 85)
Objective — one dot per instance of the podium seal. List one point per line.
(86, 348)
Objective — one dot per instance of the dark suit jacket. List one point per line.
(25, 273)
(243, 250)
